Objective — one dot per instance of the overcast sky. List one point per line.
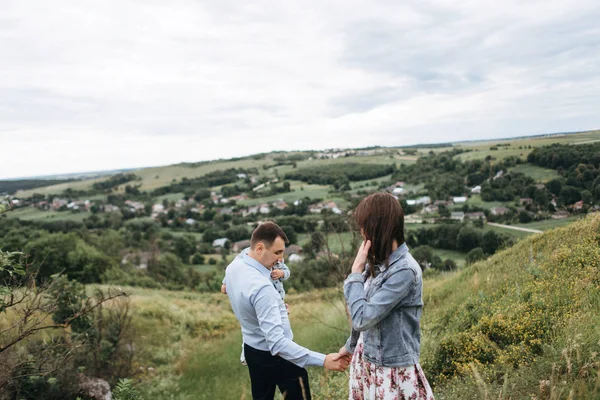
(96, 85)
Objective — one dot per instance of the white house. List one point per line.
(476, 190)
(219, 242)
(459, 200)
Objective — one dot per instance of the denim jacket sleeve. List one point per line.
(366, 314)
(352, 340)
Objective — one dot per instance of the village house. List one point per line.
(134, 205)
(499, 210)
(526, 200)
(292, 249)
(190, 221)
(445, 203)
(476, 189)
(111, 208)
(315, 209)
(429, 209)
(250, 211)
(457, 216)
(280, 204)
(264, 209)
(459, 200)
(241, 245)
(475, 215)
(158, 208)
(59, 203)
(560, 214)
(226, 211)
(219, 242)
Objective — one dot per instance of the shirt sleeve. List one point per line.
(366, 314)
(286, 271)
(266, 304)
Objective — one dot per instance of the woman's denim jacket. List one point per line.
(388, 313)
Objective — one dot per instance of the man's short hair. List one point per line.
(267, 232)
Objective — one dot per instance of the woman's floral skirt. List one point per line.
(369, 381)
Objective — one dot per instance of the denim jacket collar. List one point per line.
(398, 253)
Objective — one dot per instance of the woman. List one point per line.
(385, 303)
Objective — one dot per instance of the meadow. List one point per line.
(520, 325)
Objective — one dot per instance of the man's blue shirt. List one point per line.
(262, 313)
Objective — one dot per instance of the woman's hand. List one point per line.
(361, 257)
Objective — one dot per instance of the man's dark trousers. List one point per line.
(267, 371)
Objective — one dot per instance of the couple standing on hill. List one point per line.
(384, 298)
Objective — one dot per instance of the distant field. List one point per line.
(481, 149)
(551, 223)
(457, 256)
(311, 191)
(511, 232)
(538, 173)
(169, 197)
(33, 214)
(337, 242)
(475, 200)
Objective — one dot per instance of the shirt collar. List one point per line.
(256, 265)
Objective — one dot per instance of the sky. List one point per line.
(102, 85)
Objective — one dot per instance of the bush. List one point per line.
(475, 255)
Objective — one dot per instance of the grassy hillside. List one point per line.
(521, 325)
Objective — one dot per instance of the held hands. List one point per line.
(336, 362)
(361, 257)
(277, 274)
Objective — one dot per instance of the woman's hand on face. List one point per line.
(361, 257)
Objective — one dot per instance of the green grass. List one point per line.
(547, 224)
(34, 214)
(299, 192)
(169, 197)
(337, 241)
(510, 232)
(476, 201)
(538, 173)
(457, 256)
(481, 149)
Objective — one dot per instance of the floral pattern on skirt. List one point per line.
(369, 381)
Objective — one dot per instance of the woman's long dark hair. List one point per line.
(381, 219)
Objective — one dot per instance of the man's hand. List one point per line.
(223, 289)
(361, 257)
(335, 362)
(277, 274)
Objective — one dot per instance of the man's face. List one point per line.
(272, 255)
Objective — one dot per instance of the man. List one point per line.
(273, 358)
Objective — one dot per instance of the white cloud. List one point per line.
(116, 84)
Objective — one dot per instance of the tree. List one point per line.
(491, 242)
(569, 195)
(475, 255)
(555, 185)
(467, 239)
(525, 216)
(291, 234)
(36, 367)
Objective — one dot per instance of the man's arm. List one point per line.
(265, 303)
(366, 314)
